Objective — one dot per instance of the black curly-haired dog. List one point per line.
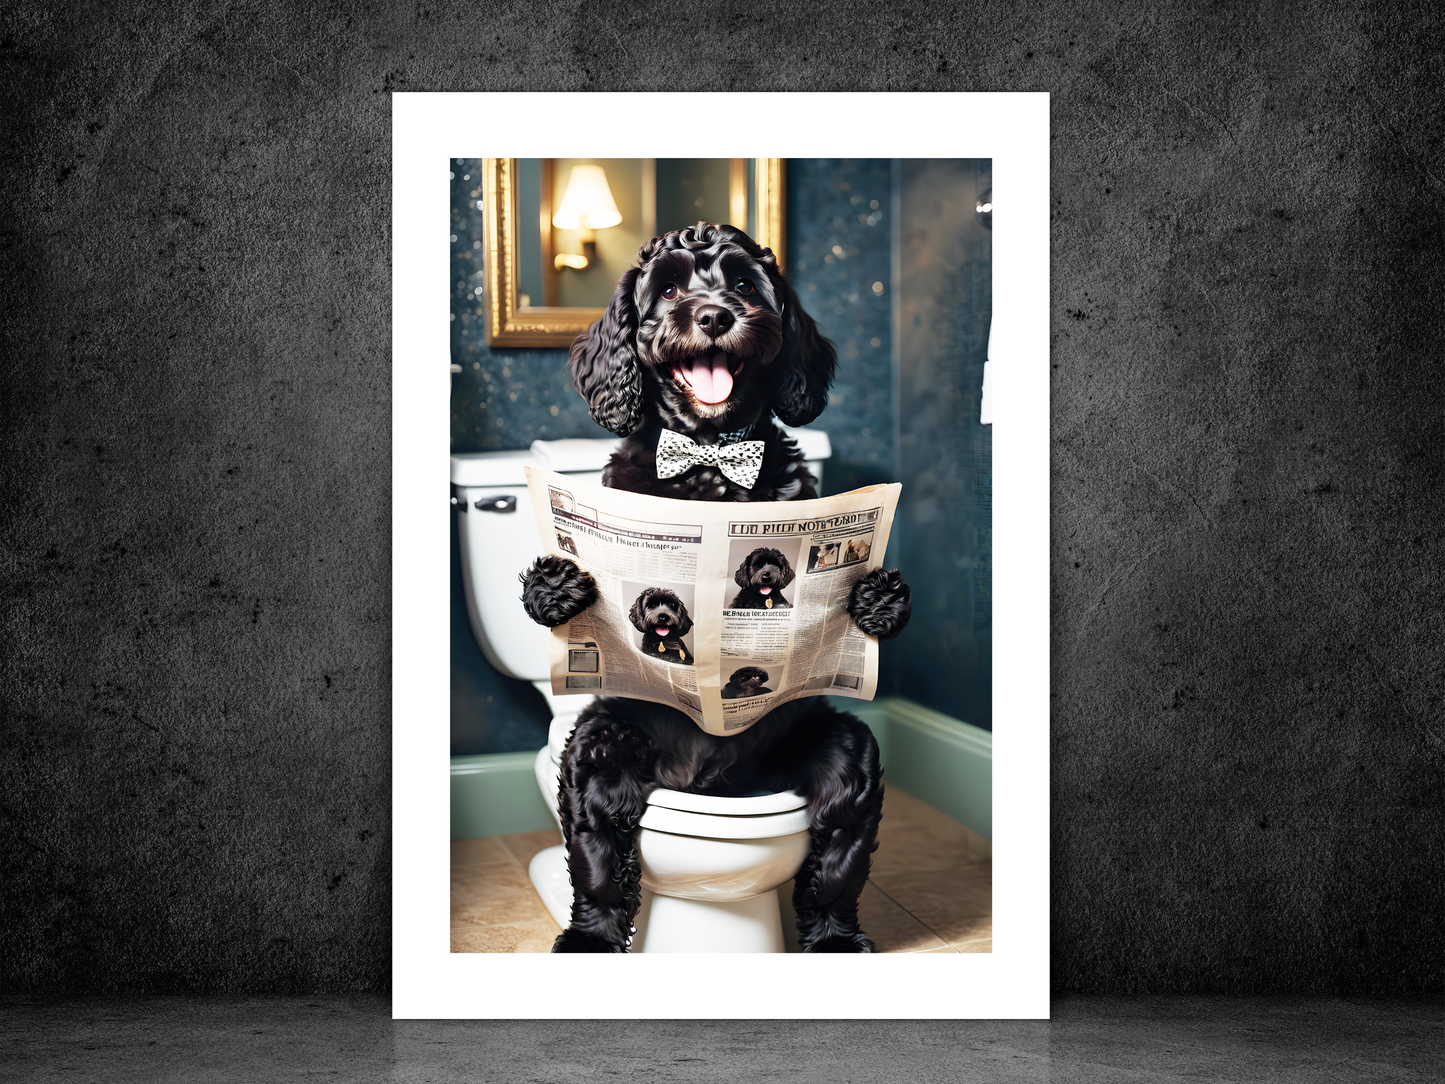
(663, 621)
(746, 681)
(704, 336)
(762, 576)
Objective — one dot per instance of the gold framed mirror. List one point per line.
(532, 255)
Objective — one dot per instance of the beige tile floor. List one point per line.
(931, 888)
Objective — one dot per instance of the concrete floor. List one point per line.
(1199, 1039)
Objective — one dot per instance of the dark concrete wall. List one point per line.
(1247, 213)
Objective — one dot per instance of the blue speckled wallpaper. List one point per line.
(839, 219)
(841, 234)
(945, 519)
(506, 398)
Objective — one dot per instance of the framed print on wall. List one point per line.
(509, 241)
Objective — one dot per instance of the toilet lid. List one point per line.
(727, 807)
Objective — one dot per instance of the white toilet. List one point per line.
(710, 866)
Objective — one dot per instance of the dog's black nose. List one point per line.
(714, 320)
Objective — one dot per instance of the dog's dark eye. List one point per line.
(669, 291)
(745, 287)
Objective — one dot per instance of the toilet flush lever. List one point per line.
(496, 504)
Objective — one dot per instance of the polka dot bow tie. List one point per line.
(739, 461)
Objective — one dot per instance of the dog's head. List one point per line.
(704, 334)
(659, 611)
(764, 569)
(749, 677)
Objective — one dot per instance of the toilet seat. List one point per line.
(728, 807)
(709, 816)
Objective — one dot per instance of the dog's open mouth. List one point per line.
(765, 590)
(662, 631)
(708, 377)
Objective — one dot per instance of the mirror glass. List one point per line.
(571, 262)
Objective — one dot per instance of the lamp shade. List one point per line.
(588, 204)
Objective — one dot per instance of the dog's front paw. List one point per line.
(881, 603)
(555, 590)
(570, 940)
(856, 942)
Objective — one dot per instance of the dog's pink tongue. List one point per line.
(765, 590)
(709, 379)
(662, 631)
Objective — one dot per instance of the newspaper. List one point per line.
(721, 610)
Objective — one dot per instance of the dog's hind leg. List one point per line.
(607, 771)
(844, 788)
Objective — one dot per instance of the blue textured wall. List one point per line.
(945, 519)
(838, 247)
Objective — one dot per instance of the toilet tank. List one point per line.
(497, 530)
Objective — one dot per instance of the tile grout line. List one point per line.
(475, 865)
(498, 925)
(526, 874)
(909, 913)
(502, 842)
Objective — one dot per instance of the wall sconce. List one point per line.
(588, 205)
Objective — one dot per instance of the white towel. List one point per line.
(985, 411)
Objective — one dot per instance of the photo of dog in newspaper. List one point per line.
(747, 681)
(660, 616)
(763, 572)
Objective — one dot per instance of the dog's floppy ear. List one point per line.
(804, 367)
(604, 362)
(635, 615)
(684, 621)
(788, 574)
(744, 573)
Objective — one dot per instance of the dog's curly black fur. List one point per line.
(663, 621)
(746, 681)
(881, 603)
(762, 576)
(709, 296)
(554, 590)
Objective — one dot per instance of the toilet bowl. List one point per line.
(709, 865)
